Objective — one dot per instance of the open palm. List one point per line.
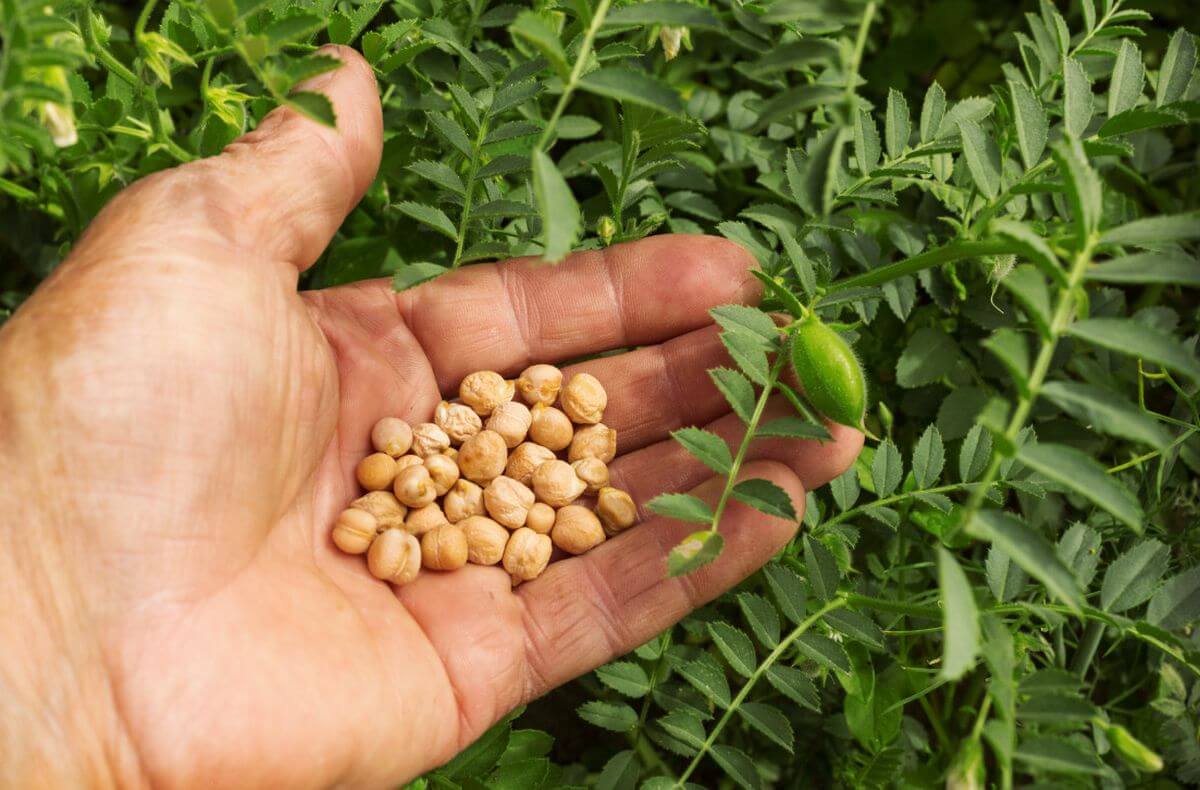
(182, 427)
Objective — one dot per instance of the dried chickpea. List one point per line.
(354, 531)
(392, 435)
(443, 471)
(444, 548)
(616, 510)
(511, 420)
(458, 421)
(524, 459)
(540, 518)
(556, 483)
(593, 472)
(408, 460)
(422, 519)
(550, 427)
(462, 501)
(526, 555)
(576, 529)
(376, 472)
(485, 540)
(508, 501)
(384, 506)
(484, 390)
(395, 557)
(414, 487)
(483, 457)
(584, 399)
(593, 441)
(451, 453)
(540, 384)
(428, 439)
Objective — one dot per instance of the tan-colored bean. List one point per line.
(414, 487)
(540, 384)
(384, 506)
(376, 472)
(511, 420)
(444, 548)
(550, 427)
(540, 518)
(576, 529)
(524, 459)
(593, 441)
(429, 439)
(527, 554)
(459, 421)
(354, 531)
(483, 457)
(485, 540)
(423, 519)
(443, 470)
(464, 500)
(584, 399)
(395, 557)
(556, 483)
(508, 501)
(616, 510)
(484, 390)
(392, 435)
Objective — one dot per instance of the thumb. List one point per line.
(278, 193)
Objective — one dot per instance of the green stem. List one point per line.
(139, 28)
(751, 427)
(468, 198)
(115, 67)
(955, 250)
(766, 664)
(1141, 459)
(585, 49)
(893, 606)
(888, 500)
(860, 44)
(1087, 648)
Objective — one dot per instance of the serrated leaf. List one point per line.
(1138, 340)
(737, 766)
(682, 507)
(856, 626)
(633, 86)
(413, 274)
(1077, 98)
(430, 216)
(737, 389)
(313, 105)
(1083, 186)
(746, 320)
(975, 453)
(792, 428)
(983, 158)
(1128, 74)
(762, 618)
(1105, 411)
(929, 355)
(615, 716)
(929, 457)
(1155, 230)
(795, 685)
(559, 212)
(866, 143)
(706, 676)
(960, 618)
(685, 726)
(788, 589)
(897, 124)
(749, 354)
(1140, 119)
(1176, 69)
(1011, 348)
(1148, 267)
(823, 573)
(824, 651)
(708, 447)
(765, 497)
(1032, 125)
(694, 551)
(1079, 550)
(440, 174)
(625, 677)
(769, 721)
(535, 29)
(735, 646)
(619, 773)
(887, 468)
(845, 489)
(1005, 578)
(451, 131)
(1082, 474)
(1177, 602)
(933, 110)
(1134, 576)
(296, 25)
(1028, 287)
(1057, 756)
(1029, 550)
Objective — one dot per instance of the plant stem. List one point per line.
(468, 198)
(860, 45)
(751, 427)
(766, 664)
(106, 58)
(859, 509)
(1180, 439)
(585, 49)
(955, 250)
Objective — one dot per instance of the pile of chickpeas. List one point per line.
(494, 479)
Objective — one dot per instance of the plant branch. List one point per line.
(953, 251)
(585, 49)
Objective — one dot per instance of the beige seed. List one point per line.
(354, 531)
(423, 519)
(443, 470)
(392, 435)
(444, 548)
(576, 529)
(484, 390)
(485, 540)
(556, 483)
(540, 384)
(524, 459)
(511, 420)
(376, 472)
(395, 557)
(483, 457)
(428, 439)
(508, 501)
(550, 427)
(584, 399)
(616, 510)
(527, 554)
(593, 472)
(462, 501)
(540, 518)
(414, 487)
(593, 441)
(384, 506)
(408, 460)
(460, 422)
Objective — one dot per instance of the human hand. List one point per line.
(179, 430)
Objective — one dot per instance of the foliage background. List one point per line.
(888, 646)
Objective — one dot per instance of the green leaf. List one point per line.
(1155, 230)
(429, 215)
(557, 207)
(1075, 470)
(765, 497)
(897, 125)
(535, 29)
(1105, 411)
(855, 626)
(929, 457)
(823, 573)
(748, 320)
(1083, 186)
(1134, 576)
(737, 766)
(960, 618)
(789, 301)
(694, 551)
(439, 174)
(619, 773)
(1177, 602)
(1138, 340)
(1148, 267)
(824, 651)
(795, 685)
(707, 676)
(1077, 98)
(481, 756)
(453, 133)
(683, 725)
(1011, 348)
(932, 111)
(1057, 756)
(224, 12)
(929, 355)
(793, 100)
(414, 274)
(1005, 578)
(735, 646)
(313, 105)
(658, 12)
(749, 354)
(737, 389)
(1140, 119)
(983, 158)
(1127, 77)
(1028, 287)
(708, 447)
(1032, 125)
(1079, 550)
(975, 453)
(293, 27)
(1052, 708)
(1176, 69)
(818, 182)
(866, 143)
(1033, 247)
(791, 428)
(615, 716)
(790, 56)
(762, 618)
(1029, 550)
(769, 721)
(788, 589)
(625, 677)
(635, 87)
(887, 469)
(682, 507)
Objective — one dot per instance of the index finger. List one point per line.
(507, 316)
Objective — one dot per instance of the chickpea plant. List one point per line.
(977, 236)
